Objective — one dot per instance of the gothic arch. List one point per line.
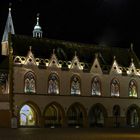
(115, 87)
(77, 115)
(133, 88)
(28, 78)
(54, 115)
(53, 84)
(97, 86)
(35, 112)
(74, 88)
(133, 116)
(97, 115)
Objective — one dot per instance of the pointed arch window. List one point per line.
(75, 85)
(53, 84)
(115, 90)
(96, 86)
(29, 83)
(132, 88)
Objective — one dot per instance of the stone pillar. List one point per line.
(123, 122)
(64, 123)
(85, 122)
(42, 122)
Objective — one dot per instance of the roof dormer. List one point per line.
(75, 63)
(54, 61)
(115, 69)
(132, 69)
(96, 68)
(30, 59)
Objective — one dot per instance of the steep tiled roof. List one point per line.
(43, 48)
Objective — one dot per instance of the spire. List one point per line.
(37, 32)
(9, 28)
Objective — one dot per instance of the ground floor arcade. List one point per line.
(55, 115)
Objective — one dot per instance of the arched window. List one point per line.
(75, 85)
(96, 86)
(132, 88)
(29, 83)
(53, 84)
(115, 87)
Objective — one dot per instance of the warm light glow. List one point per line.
(116, 67)
(27, 116)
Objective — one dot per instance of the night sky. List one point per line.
(107, 22)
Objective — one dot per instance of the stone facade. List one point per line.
(52, 83)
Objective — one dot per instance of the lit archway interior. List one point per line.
(27, 116)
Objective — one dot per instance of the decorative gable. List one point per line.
(75, 64)
(30, 60)
(115, 69)
(132, 69)
(96, 68)
(54, 61)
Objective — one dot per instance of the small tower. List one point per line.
(37, 32)
(9, 28)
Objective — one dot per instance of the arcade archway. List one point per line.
(54, 115)
(133, 116)
(76, 115)
(28, 116)
(97, 116)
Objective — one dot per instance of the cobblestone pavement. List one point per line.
(69, 134)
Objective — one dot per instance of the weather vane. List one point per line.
(38, 14)
(10, 5)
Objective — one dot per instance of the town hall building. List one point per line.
(56, 83)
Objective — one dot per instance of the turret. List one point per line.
(37, 32)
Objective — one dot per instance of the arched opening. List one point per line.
(76, 115)
(97, 115)
(115, 87)
(54, 115)
(75, 85)
(133, 116)
(28, 116)
(132, 88)
(116, 114)
(96, 86)
(29, 82)
(53, 84)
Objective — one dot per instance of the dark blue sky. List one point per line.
(108, 22)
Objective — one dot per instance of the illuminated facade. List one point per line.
(52, 83)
